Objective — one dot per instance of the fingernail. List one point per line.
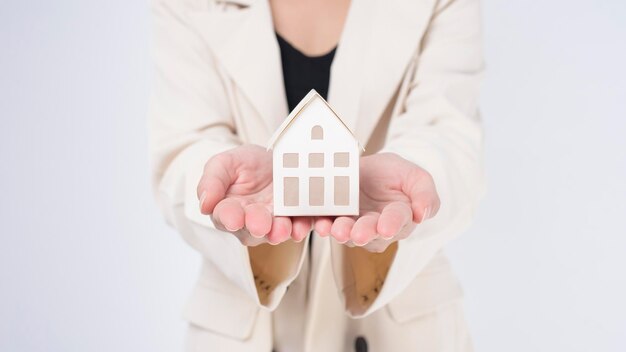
(387, 237)
(202, 197)
(341, 241)
(426, 215)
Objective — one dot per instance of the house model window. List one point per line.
(317, 132)
(316, 162)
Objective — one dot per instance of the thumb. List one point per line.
(217, 178)
(421, 190)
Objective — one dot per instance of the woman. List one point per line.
(403, 75)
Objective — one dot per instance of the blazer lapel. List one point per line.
(348, 69)
(244, 43)
(376, 47)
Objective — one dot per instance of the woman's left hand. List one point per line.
(395, 196)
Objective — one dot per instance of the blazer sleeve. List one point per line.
(438, 129)
(190, 121)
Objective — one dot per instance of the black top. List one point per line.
(302, 73)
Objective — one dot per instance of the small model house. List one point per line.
(316, 162)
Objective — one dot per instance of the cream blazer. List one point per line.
(405, 80)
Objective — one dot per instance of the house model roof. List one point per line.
(312, 95)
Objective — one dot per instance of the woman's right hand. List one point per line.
(236, 190)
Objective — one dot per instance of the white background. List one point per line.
(87, 264)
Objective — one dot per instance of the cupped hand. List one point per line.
(395, 196)
(236, 190)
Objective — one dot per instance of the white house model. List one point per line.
(316, 162)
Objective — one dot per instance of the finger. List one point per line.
(214, 182)
(364, 229)
(424, 210)
(280, 230)
(425, 201)
(258, 220)
(216, 222)
(301, 227)
(323, 225)
(230, 214)
(394, 217)
(247, 240)
(341, 228)
(378, 245)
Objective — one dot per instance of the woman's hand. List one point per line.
(236, 189)
(395, 196)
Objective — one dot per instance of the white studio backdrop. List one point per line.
(87, 264)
